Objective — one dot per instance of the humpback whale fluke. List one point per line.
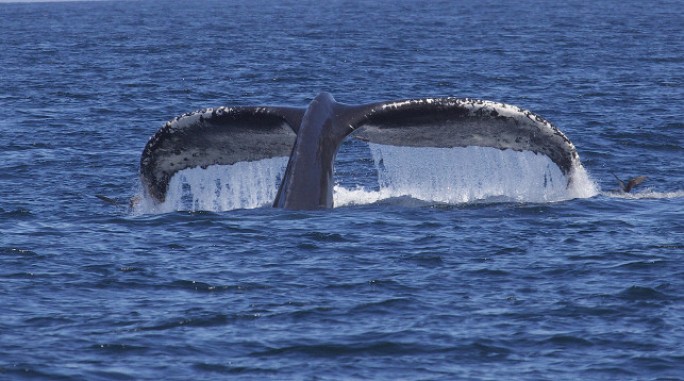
(311, 137)
(631, 183)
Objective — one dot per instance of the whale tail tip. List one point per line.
(627, 187)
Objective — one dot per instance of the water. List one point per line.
(441, 286)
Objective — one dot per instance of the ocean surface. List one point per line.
(453, 282)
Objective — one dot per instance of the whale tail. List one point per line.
(630, 184)
(311, 137)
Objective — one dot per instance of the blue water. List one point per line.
(587, 288)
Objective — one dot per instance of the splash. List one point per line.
(343, 196)
(217, 188)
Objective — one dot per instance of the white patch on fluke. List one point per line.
(189, 119)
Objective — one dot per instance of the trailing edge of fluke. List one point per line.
(311, 136)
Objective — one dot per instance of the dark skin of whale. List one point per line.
(630, 184)
(311, 137)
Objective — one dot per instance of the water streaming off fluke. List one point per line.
(243, 185)
(436, 175)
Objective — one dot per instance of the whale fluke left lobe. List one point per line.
(220, 136)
